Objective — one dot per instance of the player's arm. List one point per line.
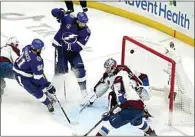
(37, 67)
(15, 53)
(59, 14)
(83, 37)
(130, 74)
(101, 81)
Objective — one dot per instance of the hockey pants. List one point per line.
(128, 115)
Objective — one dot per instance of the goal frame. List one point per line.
(172, 81)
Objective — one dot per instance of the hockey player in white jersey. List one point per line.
(129, 109)
(9, 53)
(141, 81)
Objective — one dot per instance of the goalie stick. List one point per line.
(100, 121)
(86, 104)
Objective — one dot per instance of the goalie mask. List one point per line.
(110, 65)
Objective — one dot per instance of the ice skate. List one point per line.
(50, 107)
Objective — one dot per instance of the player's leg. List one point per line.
(69, 6)
(128, 115)
(61, 64)
(6, 71)
(78, 68)
(116, 121)
(61, 67)
(140, 123)
(83, 4)
(2, 86)
(36, 90)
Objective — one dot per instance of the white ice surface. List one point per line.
(21, 114)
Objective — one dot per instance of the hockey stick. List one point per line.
(100, 121)
(65, 90)
(70, 122)
(86, 104)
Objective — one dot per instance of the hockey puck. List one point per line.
(132, 51)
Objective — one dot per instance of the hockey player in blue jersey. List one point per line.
(128, 108)
(29, 73)
(69, 41)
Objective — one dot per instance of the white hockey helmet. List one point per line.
(12, 41)
(109, 65)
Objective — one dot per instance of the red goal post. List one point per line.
(158, 54)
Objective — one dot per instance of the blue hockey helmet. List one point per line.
(37, 44)
(82, 17)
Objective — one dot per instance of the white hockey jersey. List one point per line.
(126, 95)
(9, 54)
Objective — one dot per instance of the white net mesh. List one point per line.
(158, 71)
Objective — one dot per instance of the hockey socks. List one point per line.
(103, 132)
(147, 129)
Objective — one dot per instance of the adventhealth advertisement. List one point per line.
(175, 14)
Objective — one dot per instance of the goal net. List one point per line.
(167, 78)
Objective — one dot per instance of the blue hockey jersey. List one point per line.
(70, 35)
(30, 65)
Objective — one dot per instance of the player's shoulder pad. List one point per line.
(36, 59)
(118, 79)
(88, 30)
(105, 75)
(69, 19)
(27, 46)
(122, 67)
(85, 32)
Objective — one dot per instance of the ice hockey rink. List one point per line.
(22, 115)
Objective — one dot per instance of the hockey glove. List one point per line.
(50, 88)
(117, 110)
(58, 13)
(105, 116)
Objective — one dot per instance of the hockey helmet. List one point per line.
(172, 45)
(110, 64)
(37, 44)
(13, 41)
(82, 17)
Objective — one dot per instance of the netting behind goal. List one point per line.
(149, 57)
